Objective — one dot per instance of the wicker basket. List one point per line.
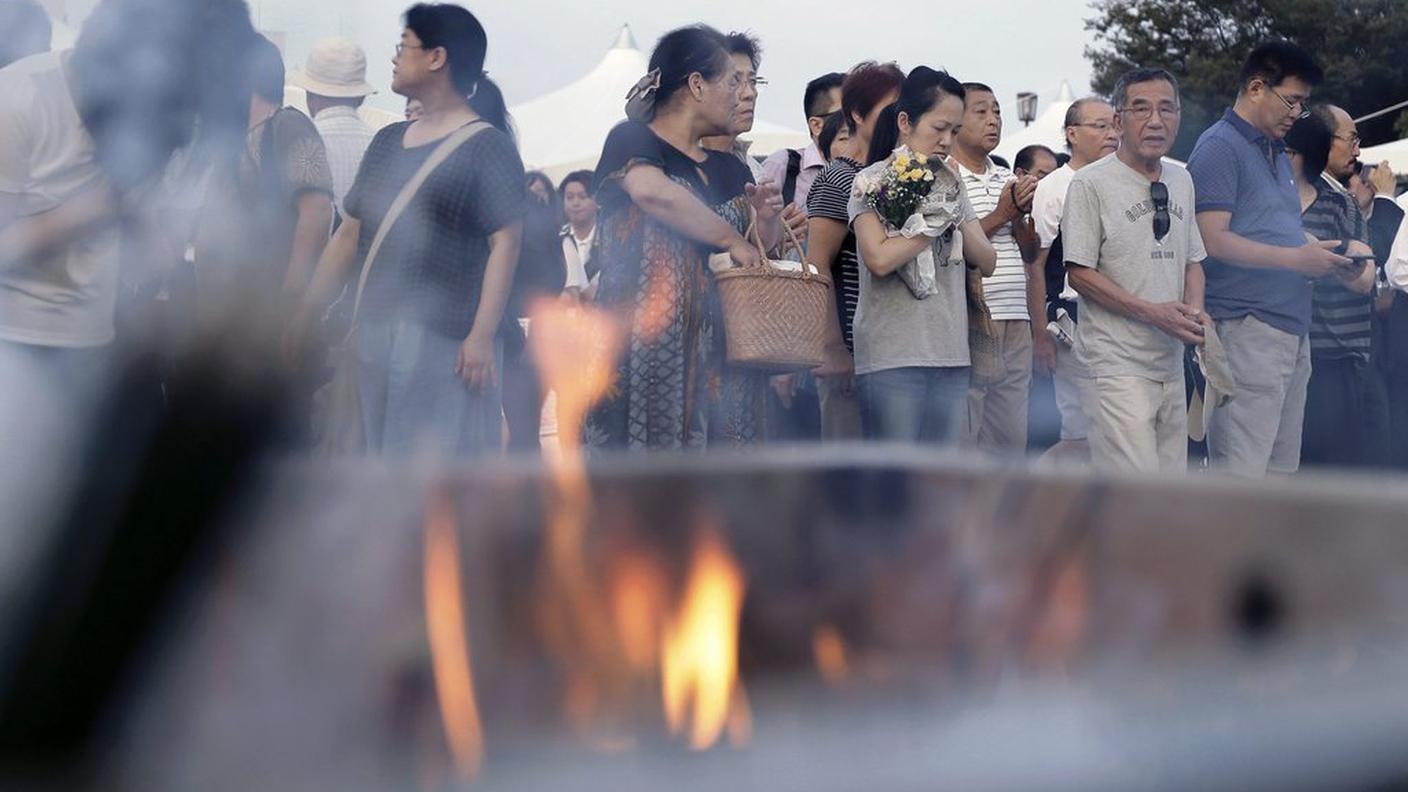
(774, 319)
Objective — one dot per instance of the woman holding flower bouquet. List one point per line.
(916, 235)
(666, 204)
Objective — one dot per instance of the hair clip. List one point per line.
(640, 101)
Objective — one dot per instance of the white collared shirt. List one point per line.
(1006, 289)
(577, 253)
(346, 137)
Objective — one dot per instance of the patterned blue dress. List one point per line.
(674, 389)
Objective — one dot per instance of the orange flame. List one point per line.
(449, 639)
(574, 347)
(830, 653)
(638, 591)
(699, 650)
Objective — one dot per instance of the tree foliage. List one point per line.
(1360, 43)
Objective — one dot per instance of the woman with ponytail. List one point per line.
(431, 306)
(911, 327)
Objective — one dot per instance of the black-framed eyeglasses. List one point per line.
(1158, 193)
(400, 46)
(1304, 113)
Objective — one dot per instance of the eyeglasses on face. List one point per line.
(1143, 112)
(402, 46)
(1098, 126)
(1158, 193)
(1352, 138)
(1290, 105)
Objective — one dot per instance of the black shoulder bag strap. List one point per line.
(789, 183)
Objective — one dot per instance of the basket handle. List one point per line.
(754, 234)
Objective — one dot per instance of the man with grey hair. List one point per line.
(1133, 252)
(1090, 135)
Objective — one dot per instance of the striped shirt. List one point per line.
(1340, 317)
(828, 198)
(346, 137)
(1006, 289)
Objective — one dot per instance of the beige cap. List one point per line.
(336, 68)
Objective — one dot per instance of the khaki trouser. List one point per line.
(1258, 431)
(1137, 424)
(997, 411)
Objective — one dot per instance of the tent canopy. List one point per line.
(564, 130)
(1049, 128)
(1396, 153)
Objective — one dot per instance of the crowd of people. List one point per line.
(1250, 305)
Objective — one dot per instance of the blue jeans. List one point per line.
(412, 399)
(915, 404)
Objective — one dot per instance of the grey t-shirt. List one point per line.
(1109, 226)
(895, 330)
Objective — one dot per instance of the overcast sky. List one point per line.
(536, 46)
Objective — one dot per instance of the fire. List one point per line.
(449, 639)
(830, 653)
(638, 590)
(699, 650)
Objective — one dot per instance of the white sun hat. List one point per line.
(336, 68)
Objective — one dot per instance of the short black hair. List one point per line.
(27, 30)
(970, 87)
(582, 177)
(817, 90)
(1026, 158)
(265, 68)
(1001, 161)
(1120, 96)
(1062, 158)
(745, 44)
(1276, 60)
(1311, 137)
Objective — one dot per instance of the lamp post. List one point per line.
(1026, 107)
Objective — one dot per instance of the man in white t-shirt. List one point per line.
(1133, 250)
(997, 407)
(1090, 135)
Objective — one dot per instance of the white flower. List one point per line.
(866, 184)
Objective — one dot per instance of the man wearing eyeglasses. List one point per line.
(1260, 265)
(1090, 136)
(1133, 252)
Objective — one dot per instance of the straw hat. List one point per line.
(336, 68)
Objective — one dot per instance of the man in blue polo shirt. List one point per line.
(1260, 262)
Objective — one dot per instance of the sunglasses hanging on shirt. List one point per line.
(1158, 192)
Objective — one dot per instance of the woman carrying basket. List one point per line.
(666, 204)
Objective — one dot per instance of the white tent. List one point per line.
(1396, 153)
(1049, 128)
(564, 130)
